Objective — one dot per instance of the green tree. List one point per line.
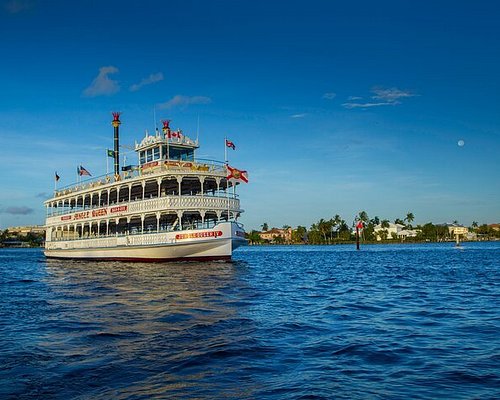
(314, 235)
(279, 239)
(299, 235)
(385, 223)
(399, 221)
(369, 229)
(254, 237)
(324, 228)
(409, 218)
(265, 227)
(363, 216)
(344, 231)
(335, 224)
(427, 232)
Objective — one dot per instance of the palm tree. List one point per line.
(409, 218)
(265, 227)
(254, 237)
(399, 221)
(324, 228)
(363, 216)
(385, 223)
(335, 221)
(475, 224)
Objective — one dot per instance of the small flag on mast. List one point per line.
(230, 144)
(82, 171)
(57, 177)
(110, 153)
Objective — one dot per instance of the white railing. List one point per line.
(199, 167)
(129, 240)
(161, 204)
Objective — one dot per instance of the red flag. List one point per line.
(236, 175)
(359, 224)
(230, 144)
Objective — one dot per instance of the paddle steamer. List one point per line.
(170, 206)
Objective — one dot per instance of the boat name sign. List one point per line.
(195, 235)
(102, 212)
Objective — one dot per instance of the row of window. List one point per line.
(175, 153)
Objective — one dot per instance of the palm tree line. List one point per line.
(338, 230)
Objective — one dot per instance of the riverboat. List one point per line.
(170, 206)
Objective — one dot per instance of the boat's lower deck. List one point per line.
(217, 243)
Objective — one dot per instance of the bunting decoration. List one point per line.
(235, 175)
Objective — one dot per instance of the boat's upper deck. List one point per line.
(157, 168)
(169, 154)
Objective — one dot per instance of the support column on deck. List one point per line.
(179, 181)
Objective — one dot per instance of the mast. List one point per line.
(116, 125)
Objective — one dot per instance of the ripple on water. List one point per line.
(305, 322)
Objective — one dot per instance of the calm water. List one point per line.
(405, 321)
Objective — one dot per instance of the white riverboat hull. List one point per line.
(216, 243)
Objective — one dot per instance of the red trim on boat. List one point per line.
(148, 260)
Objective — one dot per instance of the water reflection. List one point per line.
(149, 325)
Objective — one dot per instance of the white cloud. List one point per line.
(391, 94)
(102, 85)
(367, 105)
(330, 96)
(298, 115)
(184, 101)
(385, 97)
(153, 78)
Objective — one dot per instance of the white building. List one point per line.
(394, 231)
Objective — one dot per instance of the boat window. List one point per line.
(142, 157)
(156, 153)
(164, 151)
(149, 155)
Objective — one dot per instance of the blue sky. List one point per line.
(335, 107)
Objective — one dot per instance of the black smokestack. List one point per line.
(116, 125)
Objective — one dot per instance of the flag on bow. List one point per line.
(235, 175)
(82, 171)
(230, 144)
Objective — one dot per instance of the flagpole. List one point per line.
(107, 163)
(225, 149)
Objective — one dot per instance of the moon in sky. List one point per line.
(461, 143)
